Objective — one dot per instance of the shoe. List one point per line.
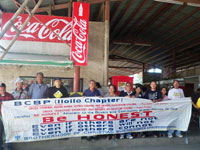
(170, 136)
(113, 137)
(121, 136)
(89, 138)
(179, 135)
(95, 137)
(130, 137)
(155, 136)
(108, 138)
(143, 136)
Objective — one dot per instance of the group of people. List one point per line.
(152, 94)
(39, 90)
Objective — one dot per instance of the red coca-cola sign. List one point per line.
(80, 24)
(35, 31)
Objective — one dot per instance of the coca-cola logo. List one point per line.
(37, 31)
(79, 30)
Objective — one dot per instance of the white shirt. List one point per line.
(175, 94)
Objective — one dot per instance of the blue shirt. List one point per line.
(37, 91)
(89, 93)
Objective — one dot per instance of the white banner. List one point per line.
(45, 119)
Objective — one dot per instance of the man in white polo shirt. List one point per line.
(175, 93)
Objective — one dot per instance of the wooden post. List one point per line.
(76, 78)
(106, 42)
(70, 9)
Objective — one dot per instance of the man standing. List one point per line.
(153, 94)
(91, 91)
(4, 96)
(57, 91)
(126, 93)
(173, 94)
(19, 92)
(38, 90)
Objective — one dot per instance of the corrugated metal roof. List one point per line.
(169, 27)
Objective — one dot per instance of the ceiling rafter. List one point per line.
(180, 21)
(115, 11)
(166, 52)
(154, 4)
(165, 20)
(183, 28)
(118, 51)
(186, 33)
(135, 51)
(122, 15)
(101, 11)
(162, 10)
(131, 18)
(181, 58)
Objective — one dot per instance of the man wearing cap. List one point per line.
(4, 96)
(38, 90)
(19, 92)
(57, 91)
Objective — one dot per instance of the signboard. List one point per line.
(80, 24)
(120, 82)
(45, 119)
(35, 31)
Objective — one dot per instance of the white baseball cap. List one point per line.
(19, 80)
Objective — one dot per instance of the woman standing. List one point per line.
(137, 93)
(112, 91)
(164, 94)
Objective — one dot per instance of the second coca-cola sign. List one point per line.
(35, 31)
(79, 44)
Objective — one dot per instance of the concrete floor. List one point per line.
(191, 141)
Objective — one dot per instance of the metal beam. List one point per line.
(124, 70)
(120, 58)
(125, 67)
(189, 1)
(135, 42)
